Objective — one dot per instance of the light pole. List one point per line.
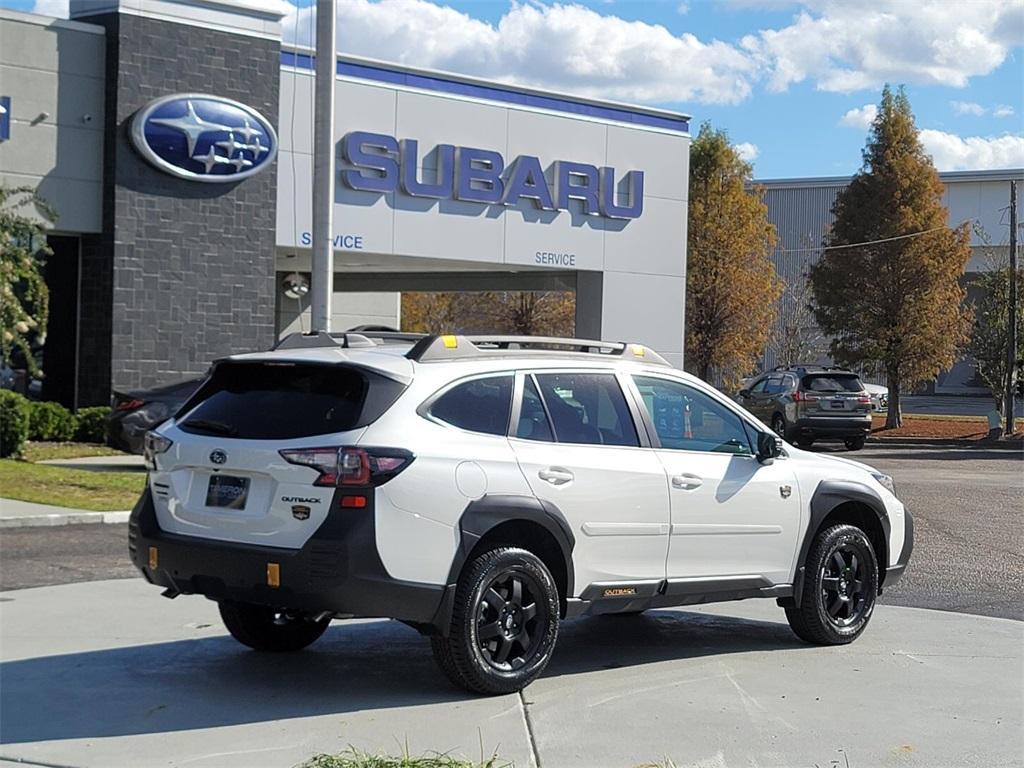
(322, 278)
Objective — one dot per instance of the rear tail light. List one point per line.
(129, 405)
(154, 444)
(339, 467)
(864, 400)
(805, 397)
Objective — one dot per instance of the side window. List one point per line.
(774, 385)
(788, 383)
(479, 405)
(533, 420)
(758, 388)
(587, 408)
(687, 419)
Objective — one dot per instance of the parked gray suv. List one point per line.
(808, 403)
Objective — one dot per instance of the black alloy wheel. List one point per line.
(507, 622)
(840, 587)
(779, 425)
(854, 443)
(504, 623)
(844, 585)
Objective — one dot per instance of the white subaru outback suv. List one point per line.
(480, 489)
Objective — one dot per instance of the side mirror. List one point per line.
(744, 392)
(769, 447)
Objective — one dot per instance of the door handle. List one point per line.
(687, 482)
(556, 475)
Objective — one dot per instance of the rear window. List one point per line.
(260, 401)
(832, 382)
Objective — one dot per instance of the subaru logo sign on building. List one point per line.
(204, 138)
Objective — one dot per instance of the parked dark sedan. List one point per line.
(136, 412)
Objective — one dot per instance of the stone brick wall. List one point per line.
(191, 265)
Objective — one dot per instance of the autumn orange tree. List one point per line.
(527, 313)
(731, 284)
(893, 302)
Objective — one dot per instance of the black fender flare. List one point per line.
(827, 496)
(486, 513)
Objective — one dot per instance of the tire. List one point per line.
(779, 425)
(501, 635)
(854, 443)
(805, 442)
(838, 600)
(266, 629)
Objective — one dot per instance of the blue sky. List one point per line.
(793, 82)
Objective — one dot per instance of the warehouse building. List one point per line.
(801, 210)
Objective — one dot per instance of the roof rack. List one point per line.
(346, 340)
(457, 347)
(323, 339)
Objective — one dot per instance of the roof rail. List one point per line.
(398, 336)
(452, 347)
(316, 339)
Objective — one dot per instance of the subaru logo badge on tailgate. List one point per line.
(204, 138)
(218, 456)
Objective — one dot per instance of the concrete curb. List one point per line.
(945, 442)
(72, 517)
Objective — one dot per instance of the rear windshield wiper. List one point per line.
(208, 425)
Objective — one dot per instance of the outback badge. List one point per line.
(300, 512)
(619, 592)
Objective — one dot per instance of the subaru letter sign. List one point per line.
(380, 163)
(204, 138)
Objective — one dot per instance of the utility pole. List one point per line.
(1011, 345)
(322, 278)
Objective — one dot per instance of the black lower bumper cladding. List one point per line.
(338, 570)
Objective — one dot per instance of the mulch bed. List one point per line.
(924, 426)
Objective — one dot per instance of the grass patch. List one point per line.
(353, 758)
(77, 488)
(41, 451)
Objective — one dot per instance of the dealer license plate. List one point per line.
(226, 491)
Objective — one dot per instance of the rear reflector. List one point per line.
(154, 558)
(353, 501)
(273, 575)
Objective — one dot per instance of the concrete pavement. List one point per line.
(109, 674)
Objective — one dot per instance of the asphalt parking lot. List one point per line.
(107, 673)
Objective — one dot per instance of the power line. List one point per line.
(857, 245)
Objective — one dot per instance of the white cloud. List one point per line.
(683, 8)
(562, 47)
(1003, 110)
(846, 47)
(58, 8)
(860, 117)
(748, 152)
(838, 46)
(954, 153)
(967, 108)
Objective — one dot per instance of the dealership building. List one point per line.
(174, 140)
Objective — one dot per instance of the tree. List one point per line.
(894, 305)
(731, 283)
(796, 337)
(527, 313)
(24, 297)
(990, 331)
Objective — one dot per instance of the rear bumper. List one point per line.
(338, 570)
(843, 426)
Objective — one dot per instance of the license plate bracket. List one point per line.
(838, 404)
(227, 492)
